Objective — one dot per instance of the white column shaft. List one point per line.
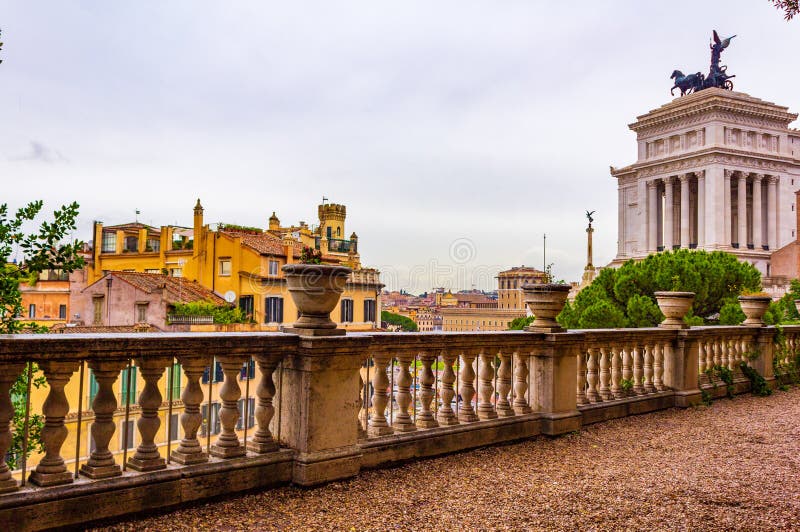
(685, 218)
(652, 216)
(772, 213)
(669, 209)
(741, 236)
(701, 210)
(727, 213)
(757, 216)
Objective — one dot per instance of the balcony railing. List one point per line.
(326, 407)
(182, 319)
(338, 245)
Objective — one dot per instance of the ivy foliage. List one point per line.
(624, 297)
(220, 313)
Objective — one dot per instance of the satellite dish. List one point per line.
(230, 296)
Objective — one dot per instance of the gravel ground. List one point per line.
(734, 465)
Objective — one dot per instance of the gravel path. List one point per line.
(734, 465)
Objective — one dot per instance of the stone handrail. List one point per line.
(343, 403)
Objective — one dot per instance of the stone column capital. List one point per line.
(772, 179)
(700, 174)
(758, 177)
(742, 176)
(728, 173)
(653, 183)
(669, 180)
(684, 177)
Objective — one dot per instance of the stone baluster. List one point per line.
(591, 375)
(627, 373)
(486, 385)
(710, 347)
(718, 352)
(649, 357)
(466, 414)
(658, 367)
(51, 470)
(361, 418)
(378, 425)
(101, 463)
(445, 416)
(262, 441)
(638, 369)
(8, 375)
(504, 408)
(189, 450)
(580, 391)
(521, 405)
(701, 357)
(605, 374)
(616, 371)
(425, 418)
(228, 444)
(147, 457)
(402, 421)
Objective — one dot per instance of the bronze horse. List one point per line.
(687, 84)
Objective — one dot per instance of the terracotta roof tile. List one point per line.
(84, 329)
(176, 289)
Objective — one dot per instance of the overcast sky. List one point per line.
(456, 132)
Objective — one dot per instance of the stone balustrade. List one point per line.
(338, 404)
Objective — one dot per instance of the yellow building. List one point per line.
(509, 286)
(459, 319)
(244, 263)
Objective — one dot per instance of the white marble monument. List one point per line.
(716, 170)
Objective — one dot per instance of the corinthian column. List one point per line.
(741, 237)
(757, 229)
(669, 202)
(772, 212)
(701, 209)
(652, 216)
(685, 218)
(728, 211)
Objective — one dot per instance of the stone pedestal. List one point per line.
(552, 393)
(320, 390)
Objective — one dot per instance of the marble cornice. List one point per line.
(712, 155)
(714, 104)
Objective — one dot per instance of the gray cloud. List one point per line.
(39, 152)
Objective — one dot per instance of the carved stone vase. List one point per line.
(546, 301)
(674, 306)
(754, 308)
(315, 289)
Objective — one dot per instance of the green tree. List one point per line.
(48, 248)
(518, 324)
(405, 323)
(624, 297)
(220, 313)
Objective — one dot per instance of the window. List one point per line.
(153, 245)
(347, 311)
(128, 396)
(369, 310)
(173, 427)
(152, 270)
(98, 310)
(62, 312)
(141, 312)
(251, 417)
(109, 242)
(126, 433)
(246, 306)
(176, 272)
(273, 310)
(176, 383)
(31, 310)
(219, 375)
(213, 423)
(273, 267)
(131, 244)
(93, 387)
(329, 232)
(248, 371)
(225, 267)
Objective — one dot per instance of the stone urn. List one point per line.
(315, 290)
(754, 308)
(546, 301)
(674, 306)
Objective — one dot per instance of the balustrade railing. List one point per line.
(194, 404)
